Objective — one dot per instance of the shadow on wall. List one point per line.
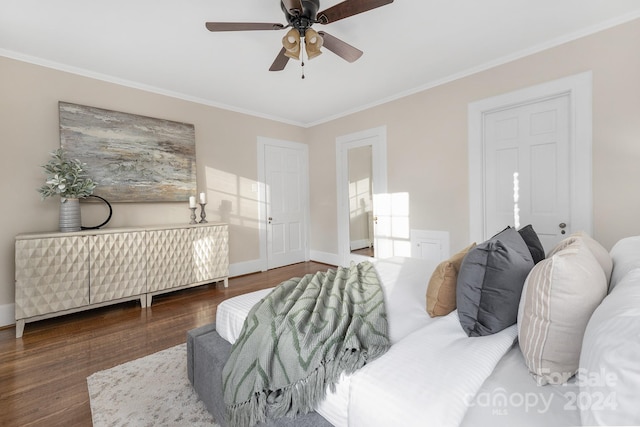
(233, 199)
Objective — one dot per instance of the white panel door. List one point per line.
(527, 169)
(286, 224)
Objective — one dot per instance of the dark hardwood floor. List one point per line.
(364, 251)
(43, 374)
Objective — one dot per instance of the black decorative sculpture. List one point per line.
(108, 218)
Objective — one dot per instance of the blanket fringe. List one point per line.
(302, 396)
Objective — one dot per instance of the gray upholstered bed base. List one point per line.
(207, 353)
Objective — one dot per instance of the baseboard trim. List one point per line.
(7, 315)
(247, 267)
(257, 265)
(359, 244)
(325, 257)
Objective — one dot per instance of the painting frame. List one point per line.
(132, 158)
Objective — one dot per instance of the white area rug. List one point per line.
(151, 391)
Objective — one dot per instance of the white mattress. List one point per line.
(404, 281)
(231, 313)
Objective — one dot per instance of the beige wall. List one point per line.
(427, 139)
(226, 150)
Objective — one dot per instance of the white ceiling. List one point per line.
(409, 45)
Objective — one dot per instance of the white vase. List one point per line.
(70, 215)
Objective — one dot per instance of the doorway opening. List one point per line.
(361, 175)
(361, 219)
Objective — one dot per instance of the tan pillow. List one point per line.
(602, 255)
(441, 292)
(559, 296)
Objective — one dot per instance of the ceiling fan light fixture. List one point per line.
(300, 16)
(291, 44)
(313, 43)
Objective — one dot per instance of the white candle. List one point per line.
(203, 198)
(192, 201)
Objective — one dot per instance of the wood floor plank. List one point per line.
(43, 374)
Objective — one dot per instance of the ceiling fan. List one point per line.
(301, 15)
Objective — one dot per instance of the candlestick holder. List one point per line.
(193, 216)
(203, 214)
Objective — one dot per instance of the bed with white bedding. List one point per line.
(421, 345)
(434, 374)
(404, 283)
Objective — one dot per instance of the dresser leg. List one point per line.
(19, 328)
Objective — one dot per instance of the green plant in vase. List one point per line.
(68, 179)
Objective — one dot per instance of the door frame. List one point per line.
(262, 195)
(377, 139)
(579, 89)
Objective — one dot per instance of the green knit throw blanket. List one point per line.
(296, 342)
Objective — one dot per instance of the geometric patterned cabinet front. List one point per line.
(118, 266)
(61, 273)
(53, 275)
(210, 257)
(186, 257)
(169, 258)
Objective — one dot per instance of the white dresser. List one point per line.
(62, 273)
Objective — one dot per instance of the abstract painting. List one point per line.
(132, 158)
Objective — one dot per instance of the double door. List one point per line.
(186, 256)
(61, 273)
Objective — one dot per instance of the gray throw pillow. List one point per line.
(490, 283)
(532, 240)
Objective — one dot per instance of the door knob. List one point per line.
(270, 219)
(562, 226)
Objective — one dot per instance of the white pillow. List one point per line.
(626, 256)
(598, 251)
(609, 375)
(558, 298)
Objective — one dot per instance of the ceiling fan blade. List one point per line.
(242, 26)
(293, 6)
(340, 48)
(348, 8)
(280, 61)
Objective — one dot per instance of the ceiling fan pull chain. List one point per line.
(302, 61)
